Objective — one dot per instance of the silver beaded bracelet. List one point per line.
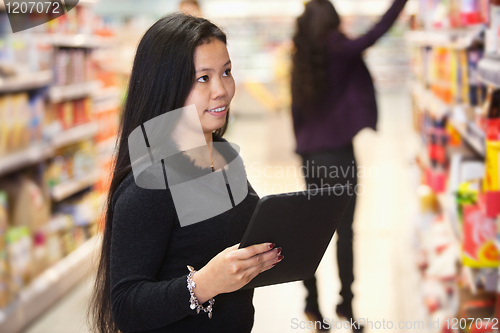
(193, 300)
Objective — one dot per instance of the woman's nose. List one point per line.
(219, 89)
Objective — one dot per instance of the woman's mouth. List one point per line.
(218, 112)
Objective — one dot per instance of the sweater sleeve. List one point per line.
(358, 45)
(141, 228)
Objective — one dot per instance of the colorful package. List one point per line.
(492, 177)
(19, 246)
(470, 12)
(479, 232)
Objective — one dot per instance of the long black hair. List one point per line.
(162, 77)
(309, 76)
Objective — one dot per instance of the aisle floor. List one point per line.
(386, 285)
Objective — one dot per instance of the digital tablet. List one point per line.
(302, 224)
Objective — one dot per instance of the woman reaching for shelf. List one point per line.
(143, 283)
(333, 98)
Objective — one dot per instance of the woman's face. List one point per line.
(214, 86)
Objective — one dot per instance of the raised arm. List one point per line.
(358, 45)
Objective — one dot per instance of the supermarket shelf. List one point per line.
(454, 38)
(74, 40)
(489, 71)
(476, 140)
(47, 288)
(106, 99)
(88, 2)
(426, 100)
(75, 135)
(446, 202)
(24, 158)
(106, 147)
(72, 91)
(42, 151)
(107, 93)
(470, 133)
(68, 188)
(26, 81)
(111, 104)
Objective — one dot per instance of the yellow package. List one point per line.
(492, 177)
(20, 133)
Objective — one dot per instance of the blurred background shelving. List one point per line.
(454, 52)
(59, 111)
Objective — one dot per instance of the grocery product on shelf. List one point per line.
(474, 12)
(492, 32)
(21, 117)
(18, 245)
(437, 252)
(475, 306)
(446, 14)
(15, 121)
(72, 65)
(78, 20)
(473, 90)
(479, 250)
(492, 160)
(69, 114)
(29, 205)
(72, 162)
(72, 224)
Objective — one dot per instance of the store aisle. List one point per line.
(383, 216)
(384, 269)
(67, 315)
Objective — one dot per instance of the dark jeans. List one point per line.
(340, 164)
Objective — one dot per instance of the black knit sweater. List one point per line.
(149, 254)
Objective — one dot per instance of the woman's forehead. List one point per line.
(211, 55)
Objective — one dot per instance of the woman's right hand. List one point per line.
(233, 268)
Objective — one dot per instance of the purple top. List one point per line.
(349, 104)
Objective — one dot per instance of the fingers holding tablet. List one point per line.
(262, 262)
(233, 268)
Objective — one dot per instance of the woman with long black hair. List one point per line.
(333, 98)
(143, 283)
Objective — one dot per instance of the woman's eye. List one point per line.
(203, 79)
(227, 72)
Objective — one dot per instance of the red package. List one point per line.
(80, 114)
(493, 129)
(492, 199)
(436, 180)
(478, 248)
